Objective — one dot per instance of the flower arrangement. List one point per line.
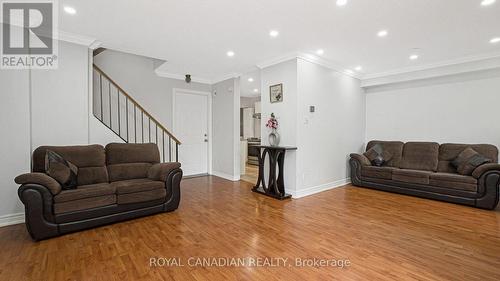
(272, 123)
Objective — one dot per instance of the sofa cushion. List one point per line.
(81, 156)
(85, 191)
(128, 171)
(84, 204)
(468, 160)
(420, 156)
(449, 151)
(61, 170)
(120, 153)
(92, 175)
(377, 172)
(137, 185)
(395, 148)
(411, 176)
(454, 181)
(143, 196)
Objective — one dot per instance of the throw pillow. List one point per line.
(377, 155)
(61, 170)
(468, 160)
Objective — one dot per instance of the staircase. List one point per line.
(123, 115)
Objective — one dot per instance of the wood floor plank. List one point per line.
(385, 237)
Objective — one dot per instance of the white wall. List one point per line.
(324, 138)
(462, 109)
(15, 147)
(286, 112)
(46, 107)
(60, 99)
(226, 129)
(135, 74)
(336, 128)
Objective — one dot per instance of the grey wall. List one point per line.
(286, 113)
(460, 108)
(135, 74)
(226, 129)
(40, 107)
(15, 141)
(336, 128)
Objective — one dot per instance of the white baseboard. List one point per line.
(320, 188)
(225, 176)
(11, 219)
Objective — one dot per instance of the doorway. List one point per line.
(192, 123)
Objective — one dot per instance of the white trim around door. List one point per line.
(177, 91)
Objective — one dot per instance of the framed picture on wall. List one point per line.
(276, 93)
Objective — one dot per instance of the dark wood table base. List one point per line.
(275, 187)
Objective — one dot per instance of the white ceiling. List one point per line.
(250, 88)
(194, 36)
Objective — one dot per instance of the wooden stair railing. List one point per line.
(123, 115)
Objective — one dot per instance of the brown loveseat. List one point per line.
(425, 169)
(119, 182)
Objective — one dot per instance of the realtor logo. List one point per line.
(28, 32)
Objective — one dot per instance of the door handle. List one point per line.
(205, 140)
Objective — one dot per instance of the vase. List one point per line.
(274, 138)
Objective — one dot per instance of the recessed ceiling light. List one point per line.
(250, 79)
(358, 68)
(320, 52)
(487, 2)
(495, 40)
(382, 33)
(230, 54)
(70, 10)
(341, 2)
(414, 57)
(274, 33)
(256, 90)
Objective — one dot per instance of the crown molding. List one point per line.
(70, 37)
(225, 77)
(435, 70)
(96, 44)
(433, 65)
(328, 64)
(312, 59)
(277, 60)
(77, 39)
(182, 77)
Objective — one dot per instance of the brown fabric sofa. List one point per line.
(119, 182)
(424, 169)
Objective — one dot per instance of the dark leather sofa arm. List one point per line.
(173, 186)
(41, 179)
(355, 163)
(38, 204)
(361, 159)
(479, 171)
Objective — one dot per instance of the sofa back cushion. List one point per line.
(395, 148)
(449, 151)
(420, 156)
(127, 161)
(90, 160)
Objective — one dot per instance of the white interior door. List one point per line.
(191, 127)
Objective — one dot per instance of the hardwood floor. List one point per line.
(384, 236)
(251, 174)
